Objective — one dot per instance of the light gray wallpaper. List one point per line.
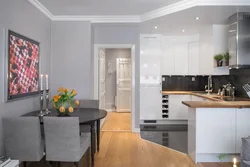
(123, 34)
(111, 56)
(71, 57)
(20, 16)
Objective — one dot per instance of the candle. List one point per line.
(47, 82)
(234, 162)
(41, 82)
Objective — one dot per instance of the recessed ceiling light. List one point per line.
(156, 27)
(197, 18)
(141, 51)
(183, 30)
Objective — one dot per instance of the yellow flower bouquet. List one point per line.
(63, 102)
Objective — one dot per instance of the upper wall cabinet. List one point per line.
(180, 55)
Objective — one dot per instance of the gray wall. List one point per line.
(71, 57)
(22, 17)
(123, 34)
(111, 56)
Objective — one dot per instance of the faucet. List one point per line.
(209, 86)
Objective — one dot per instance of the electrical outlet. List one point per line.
(193, 78)
(163, 78)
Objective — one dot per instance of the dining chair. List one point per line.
(22, 137)
(62, 140)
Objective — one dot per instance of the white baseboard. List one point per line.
(136, 130)
(110, 110)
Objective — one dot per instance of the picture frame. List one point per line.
(22, 66)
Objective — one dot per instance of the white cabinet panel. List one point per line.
(150, 103)
(243, 126)
(215, 130)
(181, 58)
(178, 111)
(168, 57)
(193, 58)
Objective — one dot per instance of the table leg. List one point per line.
(98, 134)
(92, 144)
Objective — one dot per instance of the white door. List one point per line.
(123, 87)
(102, 79)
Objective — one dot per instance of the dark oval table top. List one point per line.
(86, 115)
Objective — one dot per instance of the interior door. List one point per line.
(102, 83)
(123, 88)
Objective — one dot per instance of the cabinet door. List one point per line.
(215, 130)
(177, 110)
(150, 59)
(168, 56)
(181, 57)
(193, 58)
(150, 103)
(243, 126)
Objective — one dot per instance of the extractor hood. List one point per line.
(239, 40)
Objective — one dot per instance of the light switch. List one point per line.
(193, 78)
(163, 78)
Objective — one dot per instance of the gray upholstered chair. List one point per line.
(22, 137)
(62, 139)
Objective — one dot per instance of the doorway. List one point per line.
(115, 76)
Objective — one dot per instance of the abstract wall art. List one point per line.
(23, 66)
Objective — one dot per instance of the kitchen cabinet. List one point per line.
(178, 111)
(180, 55)
(150, 77)
(193, 58)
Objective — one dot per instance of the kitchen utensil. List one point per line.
(246, 87)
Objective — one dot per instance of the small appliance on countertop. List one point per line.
(4, 161)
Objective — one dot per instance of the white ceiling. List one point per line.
(104, 7)
(173, 24)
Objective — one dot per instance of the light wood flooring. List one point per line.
(120, 148)
(117, 122)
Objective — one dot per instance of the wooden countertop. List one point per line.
(213, 103)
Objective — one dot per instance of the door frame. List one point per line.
(96, 74)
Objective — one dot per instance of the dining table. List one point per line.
(87, 116)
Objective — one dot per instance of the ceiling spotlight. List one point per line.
(156, 27)
(141, 51)
(183, 30)
(197, 18)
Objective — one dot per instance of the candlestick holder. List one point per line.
(47, 102)
(41, 104)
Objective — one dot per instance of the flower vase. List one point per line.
(63, 111)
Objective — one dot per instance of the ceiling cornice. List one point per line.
(100, 19)
(186, 4)
(42, 8)
(179, 6)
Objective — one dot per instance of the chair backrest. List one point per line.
(62, 139)
(89, 103)
(22, 137)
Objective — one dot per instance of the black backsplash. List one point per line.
(185, 83)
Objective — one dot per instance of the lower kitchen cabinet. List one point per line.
(150, 103)
(178, 111)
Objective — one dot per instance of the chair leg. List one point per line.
(24, 164)
(76, 164)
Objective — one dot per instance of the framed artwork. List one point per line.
(22, 66)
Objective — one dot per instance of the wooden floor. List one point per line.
(117, 122)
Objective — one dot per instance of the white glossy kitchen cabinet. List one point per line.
(180, 55)
(193, 58)
(150, 103)
(215, 130)
(178, 111)
(150, 77)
